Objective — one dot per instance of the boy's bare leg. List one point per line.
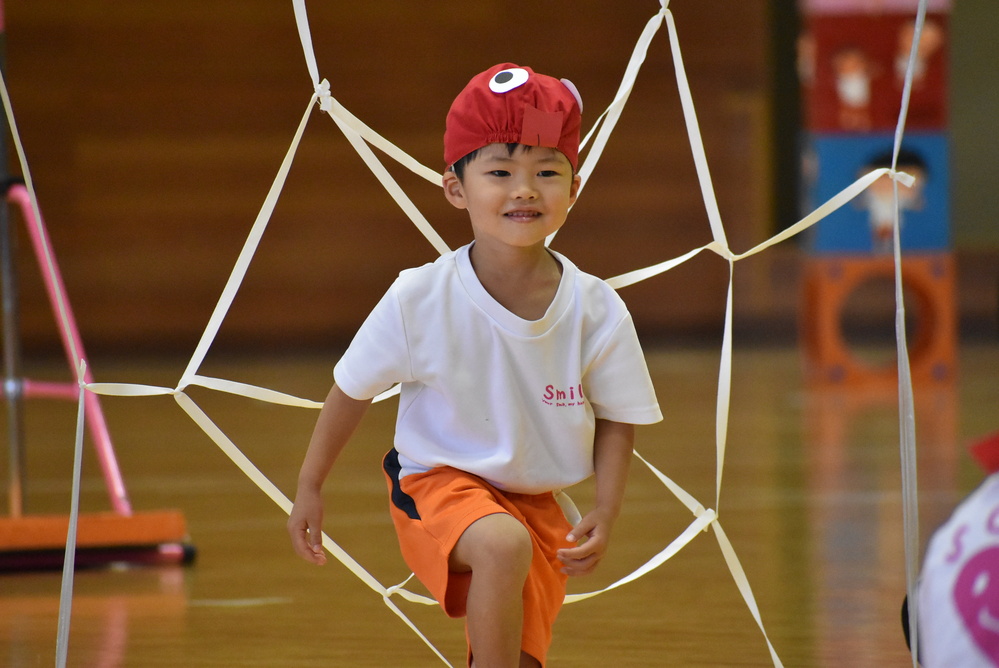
(497, 550)
(528, 661)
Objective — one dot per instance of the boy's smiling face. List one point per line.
(517, 200)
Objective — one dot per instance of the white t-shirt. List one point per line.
(485, 391)
(959, 586)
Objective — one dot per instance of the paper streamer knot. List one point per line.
(323, 95)
(904, 178)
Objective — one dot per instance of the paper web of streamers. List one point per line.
(363, 138)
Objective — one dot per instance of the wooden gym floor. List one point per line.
(810, 500)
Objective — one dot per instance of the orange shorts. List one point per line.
(432, 509)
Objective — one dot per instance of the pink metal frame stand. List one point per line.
(33, 542)
(16, 388)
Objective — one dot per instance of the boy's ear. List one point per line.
(577, 181)
(453, 190)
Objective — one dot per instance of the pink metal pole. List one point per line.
(71, 340)
(43, 390)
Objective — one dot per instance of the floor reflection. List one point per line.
(855, 511)
(108, 610)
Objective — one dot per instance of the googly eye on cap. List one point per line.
(509, 79)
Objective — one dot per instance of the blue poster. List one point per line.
(864, 226)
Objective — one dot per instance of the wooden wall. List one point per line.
(153, 130)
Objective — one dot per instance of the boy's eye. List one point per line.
(499, 172)
(548, 172)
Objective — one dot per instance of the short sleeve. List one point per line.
(378, 357)
(617, 382)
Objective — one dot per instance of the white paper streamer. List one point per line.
(906, 402)
(611, 115)
(391, 186)
(245, 255)
(742, 582)
(69, 559)
(694, 135)
(254, 392)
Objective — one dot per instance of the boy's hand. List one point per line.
(594, 529)
(305, 527)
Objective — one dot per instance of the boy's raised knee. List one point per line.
(494, 541)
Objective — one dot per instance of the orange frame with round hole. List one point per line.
(828, 283)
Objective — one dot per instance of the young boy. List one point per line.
(520, 375)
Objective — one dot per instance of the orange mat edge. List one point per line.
(40, 532)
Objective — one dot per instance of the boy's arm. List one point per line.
(337, 421)
(613, 443)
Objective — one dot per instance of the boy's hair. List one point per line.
(510, 104)
(459, 166)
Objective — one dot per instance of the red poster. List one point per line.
(852, 68)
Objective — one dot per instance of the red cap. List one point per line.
(511, 104)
